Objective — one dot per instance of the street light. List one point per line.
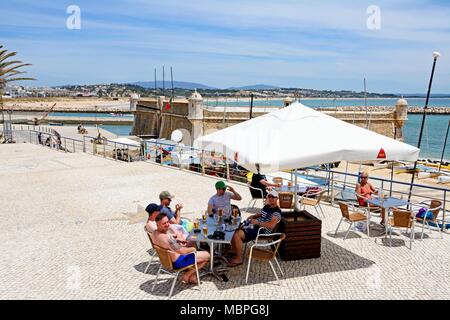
(436, 55)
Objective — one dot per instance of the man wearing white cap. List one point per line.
(268, 218)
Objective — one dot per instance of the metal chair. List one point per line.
(312, 198)
(266, 252)
(434, 206)
(402, 219)
(256, 194)
(352, 216)
(153, 253)
(167, 266)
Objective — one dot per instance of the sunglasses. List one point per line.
(271, 197)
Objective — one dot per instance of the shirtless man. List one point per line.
(181, 255)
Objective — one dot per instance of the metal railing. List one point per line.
(215, 164)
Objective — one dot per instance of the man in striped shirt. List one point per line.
(268, 218)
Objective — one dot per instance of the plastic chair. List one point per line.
(312, 198)
(433, 206)
(351, 217)
(167, 266)
(153, 253)
(266, 252)
(402, 219)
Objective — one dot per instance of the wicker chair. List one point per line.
(167, 267)
(266, 251)
(402, 219)
(434, 206)
(312, 198)
(153, 251)
(351, 217)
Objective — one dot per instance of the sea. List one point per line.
(435, 127)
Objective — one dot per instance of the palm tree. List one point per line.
(8, 73)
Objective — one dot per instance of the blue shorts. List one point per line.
(184, 261)
(250, 233)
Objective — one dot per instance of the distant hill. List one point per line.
(176, 84)
(254, 87)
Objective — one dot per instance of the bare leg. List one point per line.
(236, 245)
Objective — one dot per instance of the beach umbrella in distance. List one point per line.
(297, 136)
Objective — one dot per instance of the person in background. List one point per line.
(364, 191)
(166, 198)
(268, 219)
(222, 199)
(259, 181)
(180, 254)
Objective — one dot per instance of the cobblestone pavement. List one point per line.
(65, 235)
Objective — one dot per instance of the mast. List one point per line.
(365, 103)
(156, 96)
(435, 56)
(171, 80)
(163, 85)
(251, 105)
(443, 148)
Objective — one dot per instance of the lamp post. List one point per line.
(436, 55)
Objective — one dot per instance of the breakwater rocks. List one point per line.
(411, 110)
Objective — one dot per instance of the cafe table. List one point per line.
(214, 224)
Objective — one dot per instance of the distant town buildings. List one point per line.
(126, 90)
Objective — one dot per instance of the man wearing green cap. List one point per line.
(222, 199)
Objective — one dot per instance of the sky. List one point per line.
(307, 44)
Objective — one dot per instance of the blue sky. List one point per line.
(306, 44)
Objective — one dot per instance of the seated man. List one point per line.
(268, 218)
(181, 255)
(222, 199)
(174, 217)
(259, 181)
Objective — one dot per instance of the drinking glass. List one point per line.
(196, 224)
(205, 230)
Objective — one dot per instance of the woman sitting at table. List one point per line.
(364, 191)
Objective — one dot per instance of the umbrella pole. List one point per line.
(295, 191)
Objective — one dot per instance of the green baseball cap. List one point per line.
(220, 185)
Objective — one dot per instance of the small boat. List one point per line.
(443, 179)
(406, 169)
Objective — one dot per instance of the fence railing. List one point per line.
(215, 164)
